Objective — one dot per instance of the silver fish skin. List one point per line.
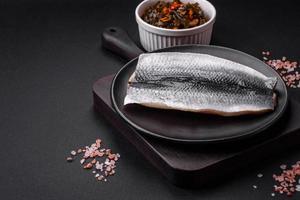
(199, 83)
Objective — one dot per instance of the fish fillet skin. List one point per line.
(199, 83)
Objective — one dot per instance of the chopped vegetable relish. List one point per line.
(174, 15)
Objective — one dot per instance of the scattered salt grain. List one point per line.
(260, 175)
(112, 172)
(101, 177)
(111, 156)
(97, 166)
(107, 162)
(112, 162)
(69, 159)
(254, 186)
(273, 194)
(108, 169)
(88, 166)
(107, 151)
(82, 161)
(283, 167)
(73, 153)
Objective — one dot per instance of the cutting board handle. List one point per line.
(117, 40)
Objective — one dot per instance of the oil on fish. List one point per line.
(199, 83)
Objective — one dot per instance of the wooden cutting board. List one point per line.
(193, 165)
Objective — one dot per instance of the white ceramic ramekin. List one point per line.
(153, 37)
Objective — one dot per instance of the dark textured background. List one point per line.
(49, 59)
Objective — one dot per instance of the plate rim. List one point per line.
(247, 134)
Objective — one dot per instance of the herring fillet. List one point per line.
(199, 83)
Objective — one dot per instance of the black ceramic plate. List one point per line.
(194, 127)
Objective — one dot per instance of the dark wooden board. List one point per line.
(190, 165)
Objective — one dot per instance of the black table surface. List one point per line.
(50, 57)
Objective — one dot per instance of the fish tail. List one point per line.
(271, 82)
